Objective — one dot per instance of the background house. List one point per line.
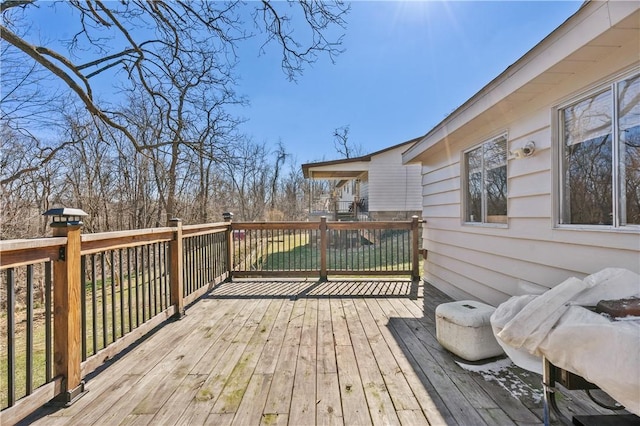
(536, 178)
(377, 186)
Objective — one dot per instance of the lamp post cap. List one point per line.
(64, 211)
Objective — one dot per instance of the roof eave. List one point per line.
(439, 132)
(306, 168)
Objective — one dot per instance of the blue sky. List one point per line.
(407, 65)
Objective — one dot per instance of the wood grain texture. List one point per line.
(310, 359)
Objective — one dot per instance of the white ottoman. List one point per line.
(464, 328)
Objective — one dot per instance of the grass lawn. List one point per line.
(349, 252)
(106, 311)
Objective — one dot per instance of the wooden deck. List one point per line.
(303, 353)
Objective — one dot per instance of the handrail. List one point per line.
(127, 286)
(15, 253)
(109, 289)
(325, 248)
(94, 243)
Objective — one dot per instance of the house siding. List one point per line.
(364, 189)
(530, 254)
(392, 186)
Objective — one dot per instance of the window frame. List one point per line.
(610, 85)
(465, 184)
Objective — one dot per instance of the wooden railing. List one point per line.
(87, 297)
(343, 210)
(321, 249)
(71, 302)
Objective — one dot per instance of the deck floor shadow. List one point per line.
(295, 289)
(303, 353)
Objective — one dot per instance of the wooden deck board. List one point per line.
(279, 397)
(412, 418)
(271, 352)
(399, 390)
(237, 382)
(326, 343)
(429, 400)
(304, 398)
(354, 404)
(221, 365)
(250, 410)
(329, 407)
(297, 353)
(132, 370)
(381, 407)
(453, 397)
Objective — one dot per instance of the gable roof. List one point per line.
(347, 167)
(590, 34)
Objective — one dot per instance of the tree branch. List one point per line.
(85, 97)
(8, 4)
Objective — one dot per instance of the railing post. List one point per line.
(415, 263)
(323, 248)
(67, 299)
(176, 268)
(228, 217)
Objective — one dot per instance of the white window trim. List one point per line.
(557, 138)
(464, 183)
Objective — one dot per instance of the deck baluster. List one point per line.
(176, 268)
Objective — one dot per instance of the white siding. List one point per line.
(492, 263)
(364, 189)
(392, 185)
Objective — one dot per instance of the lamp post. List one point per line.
(67, 299)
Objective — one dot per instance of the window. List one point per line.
(600, 157)
(486, 182)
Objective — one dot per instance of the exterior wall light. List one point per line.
(526, 151)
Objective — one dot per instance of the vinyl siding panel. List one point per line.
(392, 185)
(531, 254)
(532, 206)
(441, 191)
(442, 211)
(492, 267)
(530, 185)
(579, 258)
(442, 198)
(445, 273)
(364, 189)
(541, 229)
(444, 171)
(449, 185)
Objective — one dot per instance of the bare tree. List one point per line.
(24, 197)
(292, 198)
(89, 170)
(342, 144)
(136, 202)
(162, 40)
(281, 156)
(27, 101)
(174, 62)
(249, 172)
